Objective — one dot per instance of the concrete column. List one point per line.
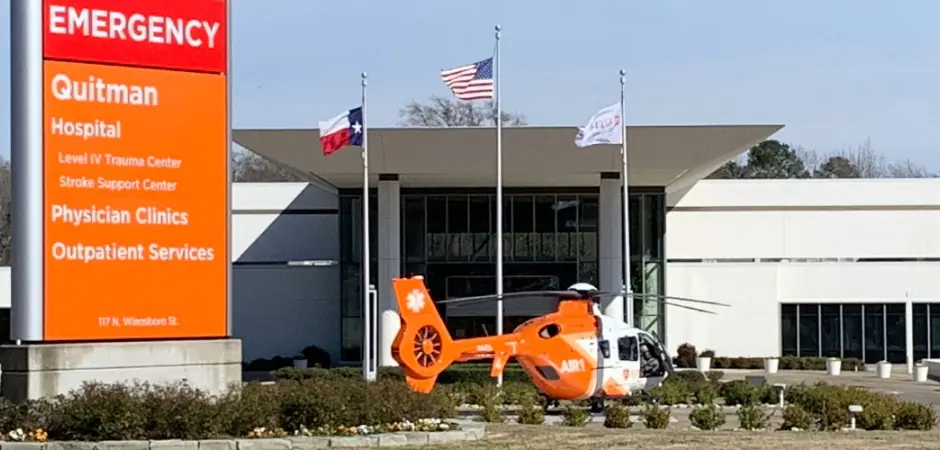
(610, 241)
(389, 258)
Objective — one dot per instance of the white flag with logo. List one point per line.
(604, 127)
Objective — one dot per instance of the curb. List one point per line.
(469, 431)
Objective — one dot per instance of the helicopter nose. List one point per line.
(582, 287)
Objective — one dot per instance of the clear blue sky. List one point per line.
(835, 72)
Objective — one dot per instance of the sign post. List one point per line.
(121, 133)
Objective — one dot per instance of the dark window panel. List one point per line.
(544, 239)
(566, 222)
(920, 330)
(852, 336)
(436, 213)
(896, 341)
(874, 333)
(413, 229)
(831, 338)
(636, 232)
(809, 329)
(588, 213)
(788, 330)
(934, 330)
(655, 217)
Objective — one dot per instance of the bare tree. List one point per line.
(810, 158)
(445, 112)
(869, 162)
(248, 167)
(907, 169)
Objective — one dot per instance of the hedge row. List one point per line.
(480, 373)
(101, 412)
(820, 406)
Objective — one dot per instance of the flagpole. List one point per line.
(499, 198)
(627, 283)
(366, 256)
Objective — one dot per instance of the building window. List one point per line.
(895, 332)
(809, 330)
(871, 332)
(451, 233)
(934, 314)
(788, 330)
(831, 331)
(921, 331)
(852, 335)
(874, 332)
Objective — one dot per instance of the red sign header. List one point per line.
(165, 34)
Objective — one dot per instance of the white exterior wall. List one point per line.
(713, 236)
(757, 243)
(278, 308)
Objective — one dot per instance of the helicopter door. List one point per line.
(654, 361)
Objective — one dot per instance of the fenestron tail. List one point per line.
(423, 347)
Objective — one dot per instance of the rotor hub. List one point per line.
(427, 346)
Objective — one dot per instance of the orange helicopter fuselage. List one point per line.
(571, 354)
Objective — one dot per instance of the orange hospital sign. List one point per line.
(121, 145)
(135, 203)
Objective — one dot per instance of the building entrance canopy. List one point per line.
(671, 156)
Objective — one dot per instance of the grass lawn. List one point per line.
(563, 438)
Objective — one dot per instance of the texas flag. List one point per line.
(342, 130)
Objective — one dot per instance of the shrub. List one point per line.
(715, 376)
(531, 413)
(691, 377)
(617, 416)
(752, 417)
(492, 412)
(671, 394)
(878, 415)
(97, 411)
(708, 354)
(706, 394)
(915, 416)
(316, 357)
(739, 392)
(575, 417)
(516, 393)
(656, 417)
(685, 356)
(708, 417)
(795, 417)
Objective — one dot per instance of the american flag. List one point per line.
(470, 82)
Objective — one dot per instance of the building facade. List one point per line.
(810, 267)
(433, 212)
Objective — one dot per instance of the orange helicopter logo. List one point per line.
(573, 353)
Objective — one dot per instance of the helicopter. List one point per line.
(574, 353)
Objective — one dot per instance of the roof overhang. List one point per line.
(671, 156)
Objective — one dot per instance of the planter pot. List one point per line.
(920, 373)
(300, 363)
(703, 363)
(833, 366)
(884, 369)
(771, 365)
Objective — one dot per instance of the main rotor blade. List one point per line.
(690, 308)
(681, 299)
(510, 296)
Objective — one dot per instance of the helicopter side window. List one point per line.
(549, 331)
(605, 348)
(628, 349)
(653, 363)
